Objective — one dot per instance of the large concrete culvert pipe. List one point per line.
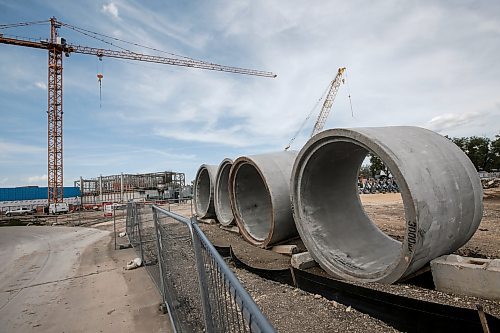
(439, 185)
(204, 191)
(222, 199)
(260, 197)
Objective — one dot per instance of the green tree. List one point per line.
(376, 165)
(480, 150)
(364, 171)
(494, 158)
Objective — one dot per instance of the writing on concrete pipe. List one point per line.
(260, 197)
(222, 199)
(203, 195)
(439, 185)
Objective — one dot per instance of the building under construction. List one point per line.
(125, 187)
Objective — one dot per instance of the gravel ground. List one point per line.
(293, 310)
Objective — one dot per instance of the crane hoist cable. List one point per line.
(306, 119)
(332, 89)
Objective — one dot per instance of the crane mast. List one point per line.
(57, 46)
(327, 105)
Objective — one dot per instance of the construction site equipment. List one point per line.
(325, 109)
(57, 46)
(222, 199)
(439, 185)
(203, 195)
(260, 197)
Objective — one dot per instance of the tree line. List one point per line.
(482, 151)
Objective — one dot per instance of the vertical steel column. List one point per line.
(121, 188)
(55, 118)
(100, 189)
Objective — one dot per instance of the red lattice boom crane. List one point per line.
(57, 46)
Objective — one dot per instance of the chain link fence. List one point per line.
(198, 289)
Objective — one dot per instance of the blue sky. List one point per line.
(428, 64)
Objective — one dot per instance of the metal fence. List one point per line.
(198, 289)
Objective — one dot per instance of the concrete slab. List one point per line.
(467, 276)
(303, 260)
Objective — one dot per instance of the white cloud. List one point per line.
(110, 9)
(37, 179)
(8, 148)
(450, 121)
(41, 85)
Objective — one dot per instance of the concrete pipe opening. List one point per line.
(222, 199)
(440, 189)
(204, 191)
(260, 197)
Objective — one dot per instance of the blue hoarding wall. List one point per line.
(33, 193)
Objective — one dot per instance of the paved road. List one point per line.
(61, 279)
(33, 260)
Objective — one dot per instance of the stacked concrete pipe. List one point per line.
(260, 197)
(440, 188)
(204, 191)
(222, 199)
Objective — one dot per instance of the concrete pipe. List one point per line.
(439, 185)
(222, 200)
(260, 197)
(204, 191)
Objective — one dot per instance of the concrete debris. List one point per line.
(132, 264)
(302, 260)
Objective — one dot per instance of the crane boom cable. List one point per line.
(81, 30)
(97, 38)
(306, 119)
(22, 24)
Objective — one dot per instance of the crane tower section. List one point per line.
(55, 117)
(327, 105)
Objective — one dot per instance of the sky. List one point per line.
(432, 64)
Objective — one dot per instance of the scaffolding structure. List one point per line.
(126, 187)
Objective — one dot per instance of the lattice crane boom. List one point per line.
(57, 46)
(327, 105)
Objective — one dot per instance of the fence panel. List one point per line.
(177, 264)
(197, 287)
(215, 301)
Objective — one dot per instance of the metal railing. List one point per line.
(198, 289)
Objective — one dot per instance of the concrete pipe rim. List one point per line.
(201, 207)
(401, 258)
(249, 235)
(223, 208)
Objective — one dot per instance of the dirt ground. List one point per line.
(387, 211)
